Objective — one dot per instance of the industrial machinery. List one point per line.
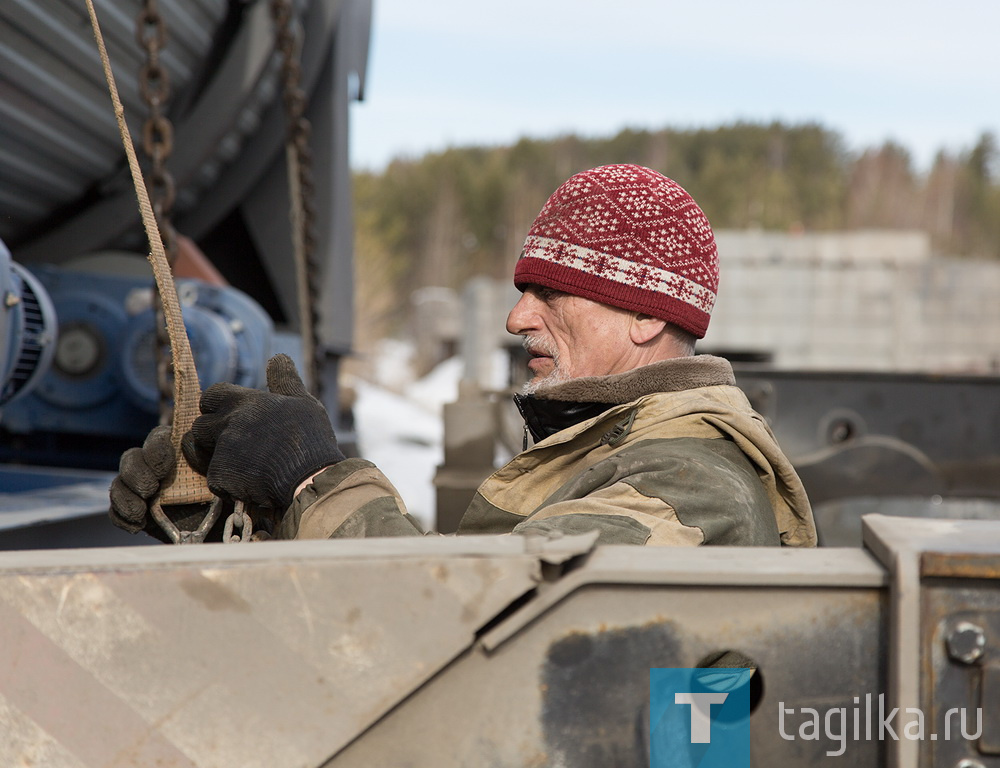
(94, 384)
(79, 384)
(215, 93)
(27, 329)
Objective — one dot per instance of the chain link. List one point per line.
(158, 144)
(240, 521)
(303, 203)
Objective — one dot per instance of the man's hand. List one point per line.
(140, 472)
(258, 446)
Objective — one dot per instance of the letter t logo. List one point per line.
(701, 718)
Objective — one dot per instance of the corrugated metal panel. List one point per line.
(57, 130)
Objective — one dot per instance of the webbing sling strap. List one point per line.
(184, 486)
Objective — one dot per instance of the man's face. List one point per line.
(569, 336)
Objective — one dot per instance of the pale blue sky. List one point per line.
(458, 72)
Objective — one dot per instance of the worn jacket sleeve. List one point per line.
(352, 499)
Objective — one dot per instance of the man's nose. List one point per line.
(522, 317)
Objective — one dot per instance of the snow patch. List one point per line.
(399, 424)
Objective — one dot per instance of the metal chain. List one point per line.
(158, 144)
(241, 522)
(302, 188)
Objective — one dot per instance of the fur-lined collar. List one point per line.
(559, 406)
(672, 375)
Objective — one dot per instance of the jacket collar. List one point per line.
(558, 406)
(543, 418)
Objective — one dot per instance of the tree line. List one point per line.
(444, 217)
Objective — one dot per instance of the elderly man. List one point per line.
(635, 436)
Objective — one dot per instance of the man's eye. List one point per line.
(547, 294)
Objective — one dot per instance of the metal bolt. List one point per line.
(966, 644)
(966, 762)
(841, 431)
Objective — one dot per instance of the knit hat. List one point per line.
(630, 237)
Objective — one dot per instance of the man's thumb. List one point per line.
(283, 379)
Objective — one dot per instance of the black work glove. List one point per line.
(140, 472)
(258, 446)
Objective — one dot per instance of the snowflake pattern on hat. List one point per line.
(628, 236)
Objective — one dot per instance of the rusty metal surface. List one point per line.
(944, 590)
(989, 743)
(272, 655)
(954, 681)
(968, 566)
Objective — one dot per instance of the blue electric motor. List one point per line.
(27, 329)
(94, 385)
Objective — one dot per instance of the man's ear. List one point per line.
(645, 328)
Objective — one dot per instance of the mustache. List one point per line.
(536, 345)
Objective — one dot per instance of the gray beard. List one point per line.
(541, 382)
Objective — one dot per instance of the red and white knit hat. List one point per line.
(630, 237)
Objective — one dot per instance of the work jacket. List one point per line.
(666, 454)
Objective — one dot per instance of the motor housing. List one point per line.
(98, 379)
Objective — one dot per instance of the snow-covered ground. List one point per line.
(404, 441)
(399, 425)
